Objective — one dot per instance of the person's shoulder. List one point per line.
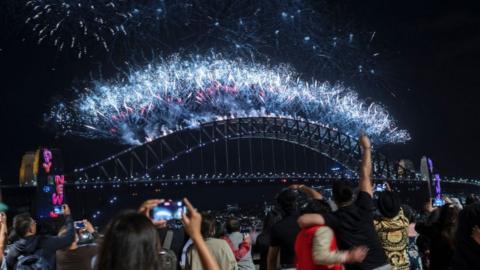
(403, 219)
(323, 229)
(288, 220)
(61, 252)
(363, 199)
(235, 234)
(216, 242)
(362, 195)
(88, 248)
(219, 245)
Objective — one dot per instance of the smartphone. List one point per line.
(79, 225)
(438, 202)
(168, 210)
(380, 187)
(58, 209)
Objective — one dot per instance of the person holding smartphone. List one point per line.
(131, 241)
(150, 209)
(78, 256)
(30, 243)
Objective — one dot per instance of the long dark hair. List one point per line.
(131, 242)
(447, 223)
(270, 219)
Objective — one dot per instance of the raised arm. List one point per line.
(365, 183)
(309, 220)
(323, 255)
(59, 242)
(192, 222)
(242, 249)
(310, 192)
(3, 235)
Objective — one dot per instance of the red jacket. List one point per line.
(304, 254)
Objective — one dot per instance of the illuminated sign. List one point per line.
(438, 190)
(47, 160)
(57, 196)
(52, 183)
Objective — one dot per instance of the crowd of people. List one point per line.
(356, 229)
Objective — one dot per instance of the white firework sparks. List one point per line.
(177, 93)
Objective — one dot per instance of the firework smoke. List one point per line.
(288, 30)
(180, 93)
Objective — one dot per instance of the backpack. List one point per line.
(32, 262)
(167, 258)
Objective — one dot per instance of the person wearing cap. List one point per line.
(392, 229)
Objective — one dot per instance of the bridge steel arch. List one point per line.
(146, 158)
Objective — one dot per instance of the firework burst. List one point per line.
(273, 29)
(181, 93)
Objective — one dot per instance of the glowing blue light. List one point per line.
(46, 189)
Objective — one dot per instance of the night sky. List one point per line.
(433, 64)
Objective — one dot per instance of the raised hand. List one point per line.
(148, 205)
(364, 141)
(88, 226)
(365, 183)
(192, 221)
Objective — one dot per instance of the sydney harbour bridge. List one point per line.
(235, 153)
(231, 160)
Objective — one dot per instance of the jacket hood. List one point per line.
(26, 245)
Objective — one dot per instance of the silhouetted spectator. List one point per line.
(263, 239)
(441, 235)
(412, 249)
(353, 221)
(392, 229)
(240, 245)
(467, 251)
(316, 246)
(131, 241)
(471, 199)
(32, 244)
(76, 256)
(219, 248)
(283, 233)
